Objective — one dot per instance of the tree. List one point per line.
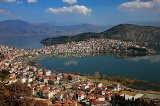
(4, 74)
(15, 95)
(69, 77)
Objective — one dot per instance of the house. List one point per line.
(42, 84)
(96, 102)
(84, 87)
(66, 103)
(99, 85)
(91, 96)
(47, 72)
(117, 86)
(60, 95)
(48, 94)
(109, 96)
(81, 95)
(130, 95)
(40, 72)
(72, 92)
(34, 91)
(59, 75)
(100, 90)
(53, 81)
(45, 80)
(100, 97)
(73, 77)
(138, 96)
(29, 80)
(67, 86)
(90, 89)
(23, 80)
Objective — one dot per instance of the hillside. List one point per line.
(143, 35)
(19, 27)
(134, 33)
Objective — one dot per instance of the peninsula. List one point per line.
(50, 88)
(147, 36)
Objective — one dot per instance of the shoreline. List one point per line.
(20, 58)
(127, 79)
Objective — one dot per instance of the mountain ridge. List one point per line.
(20, 27)
(148, 36)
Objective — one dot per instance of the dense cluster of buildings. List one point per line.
(56, 88)
(95, 45)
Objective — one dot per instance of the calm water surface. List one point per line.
(26, 42)
(145, 68)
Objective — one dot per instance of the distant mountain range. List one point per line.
(148, 36)
(19, 27)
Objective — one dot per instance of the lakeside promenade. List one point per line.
(64, 88)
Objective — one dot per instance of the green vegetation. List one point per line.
(4, 74)
(1, 55)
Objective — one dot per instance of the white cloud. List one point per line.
(19, 2)
(70, 1)
(138, 4)
(8, 1)
(5, 12)
(76, 8)
(31, 1)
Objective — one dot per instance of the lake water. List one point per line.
(144, 68)
(26, 42)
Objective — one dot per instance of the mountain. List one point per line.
(146, 23)
(83, 28)
(19, 27)
(64, 23)
(148, 36)
(143, 35)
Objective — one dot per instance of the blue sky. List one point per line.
(102, 12)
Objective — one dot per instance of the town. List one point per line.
(59, 88)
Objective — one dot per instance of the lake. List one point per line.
(26, 42)
(144, 68)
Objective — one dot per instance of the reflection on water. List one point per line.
(145, 68)
(71, 62)
(152, 59)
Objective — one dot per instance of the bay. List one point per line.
(143, 68)
(22, 42)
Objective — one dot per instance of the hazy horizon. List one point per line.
(104, 12)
